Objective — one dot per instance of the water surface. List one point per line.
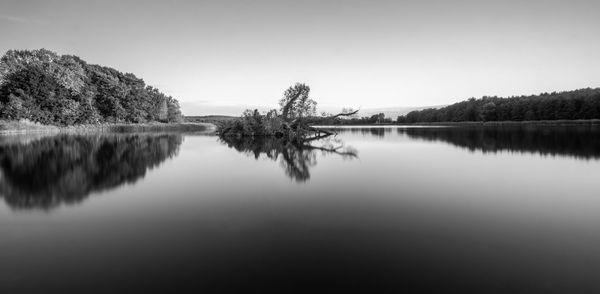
(496, 209)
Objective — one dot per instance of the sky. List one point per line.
(219, 57)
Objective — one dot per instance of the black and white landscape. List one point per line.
(332, 146)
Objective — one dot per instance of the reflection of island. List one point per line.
(577, 141)
(296, 158)
(50, 171)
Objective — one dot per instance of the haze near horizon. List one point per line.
(219, 57)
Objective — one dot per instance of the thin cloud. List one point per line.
(22, 20)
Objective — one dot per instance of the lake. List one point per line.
(421, 209)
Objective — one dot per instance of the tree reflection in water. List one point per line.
(296, 158)
(581, 142)
(577, 141)
(46, 172)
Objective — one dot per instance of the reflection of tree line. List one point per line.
(375, 131)
(296, 158)
(579, 142)
(47, 172)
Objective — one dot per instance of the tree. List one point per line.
(13, 108)
(296, 103)
(488, 112)
(173, 112)
(42, 97)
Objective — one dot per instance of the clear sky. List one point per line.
(221, 56)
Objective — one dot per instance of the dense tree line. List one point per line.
(48, 88)
(570, 105)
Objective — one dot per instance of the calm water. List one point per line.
(494, 210)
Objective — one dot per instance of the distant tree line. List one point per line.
(48, 88)
(570, 105)
(378, 118)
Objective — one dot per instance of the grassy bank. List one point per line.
(23, 126)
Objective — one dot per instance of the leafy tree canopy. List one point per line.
(296, 103)
(45, 87)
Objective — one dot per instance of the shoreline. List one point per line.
(26, 127)
(579, 122)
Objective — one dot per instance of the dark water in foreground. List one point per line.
(494, 210)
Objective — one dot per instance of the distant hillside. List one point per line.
(568, 105)
(210, 118)
(48, 88)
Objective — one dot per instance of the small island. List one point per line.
(293, 122)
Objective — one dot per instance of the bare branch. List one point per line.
(343, 114)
